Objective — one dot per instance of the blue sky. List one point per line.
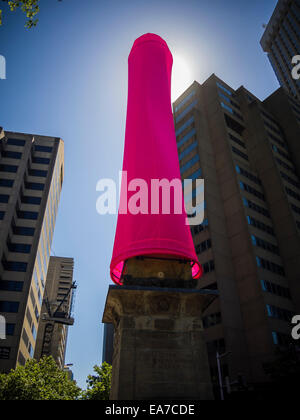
(68, 78)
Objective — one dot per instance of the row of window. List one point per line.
(185, 138)
(185, 111)
(275, 289)
(239, 153)
(230, 101)
(188, 150)
(285, 165)
(248, 175)
(252, 190)
(253, 206)
(17, 266)
(270, 266)
(11, 286)
(269, 117)
(281, 339)
(185, 100)
(9, 307)
(203, 246)
(237, 141)
(292, 193)
(290, 180)
(189, 122)
(280, 152)
(19, 248)
(271, 126)
(14, 169)
(260, 225)
(279, 313)
(264, 244)
(280, 142)
(232, 111)
(189, 164)
(208, 266)
(200, 228)
(37, 148)
(212, 319)
(234, 125)
(295, 208)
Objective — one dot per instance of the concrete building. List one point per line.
(31, 177)
(281, 41)
(56, 310)
(247, 152)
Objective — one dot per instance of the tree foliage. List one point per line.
(99, 385)
(41, 380)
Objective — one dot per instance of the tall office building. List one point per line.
(31, 177)
(247, 152)
(281, 41)
(56, 310)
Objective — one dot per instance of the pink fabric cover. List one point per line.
(150, 153)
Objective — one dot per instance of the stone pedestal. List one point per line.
(159, 351)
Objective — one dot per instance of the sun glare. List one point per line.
(181, 76)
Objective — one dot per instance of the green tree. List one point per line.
(42, 380)
(99, 385)
(29, 7)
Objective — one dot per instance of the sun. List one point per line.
(181, 76)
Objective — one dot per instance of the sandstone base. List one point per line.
(159, 351)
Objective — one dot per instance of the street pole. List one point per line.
(220, 377)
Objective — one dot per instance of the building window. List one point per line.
(21, 359)
(4, 198)
(248, 175)
(23, 231)
(234, 125)
(260, 225)
(16, 142)
(252, 191)
(31, 200)
(38, 173)
(186, 111)
(275, 289)
(188, 150)
(11, 155)
(189, 164)
(185, 100)
(208, 266)
(204, 246)
(9, 307)
(256, 207)
(34, 186)
(45, 149)
(2, 214)
(292, 193)
(8, 168)
(236, 140)
(31, 215)
(265, 245)
(4, 353)
(14, 266)
(200, 228)
(41, 161)
(189, 122)
(11, 286)
(239, 153)
(280, 339)
(225, 89)
(10, 329)
(270, 266)
(6, 183)
(22, 248)
(212, 319)
(279, 313)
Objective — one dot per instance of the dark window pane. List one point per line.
(14, 266)
(16, 142)
(45, 149)
(4, 353)
(8, 168)
(43, 161)
(31, 200)
(31, 215)
(12, 307)
(4, 198)
(6, 182)
(10, 329)
(23, 248)
(25, 231)
(2, 214)
(34, 186)
(11, 155)
(36, 172)
(11, 286)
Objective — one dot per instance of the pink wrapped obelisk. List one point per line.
(150, 153)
